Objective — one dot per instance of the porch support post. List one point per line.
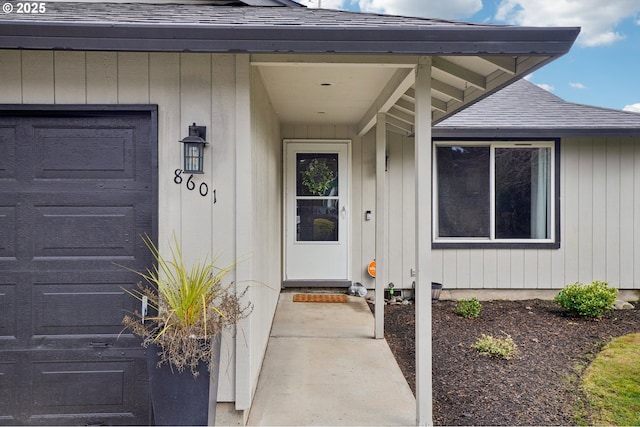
(243, 229)
(381, 220)
(423, 154)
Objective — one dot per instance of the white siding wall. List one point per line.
(187, 88)
(266, 264)
(600, 225)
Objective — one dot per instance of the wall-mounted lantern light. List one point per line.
(194, 149)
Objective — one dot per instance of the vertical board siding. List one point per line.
(195, 107)
(530, 277)
(37, 77)
(599, 208)
(70, 77)
(267, 223)
(570, 241)
(394, 215)
(164, 90)
(102, 78)
(367, 189)
(612, 202)
(600, 177)
(408, 214)
(627, 214)
(133, 78)
(636, 212)
(187, 88)
(586, 208)
(490, 265)
(11, 72)
(600, 226)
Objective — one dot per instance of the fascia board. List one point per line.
(500, 133)
(287, 39)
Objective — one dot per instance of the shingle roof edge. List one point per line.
(312, 33)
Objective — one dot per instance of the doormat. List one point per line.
(320, 298)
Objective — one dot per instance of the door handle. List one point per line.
(344, 212)
(99, 344)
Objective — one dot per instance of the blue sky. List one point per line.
(602, 67)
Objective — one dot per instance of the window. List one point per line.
(495, 192)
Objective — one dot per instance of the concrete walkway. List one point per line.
(323, 367)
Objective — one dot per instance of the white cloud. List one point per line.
(546, 87)
(577, 85)
(598, 19)
(426, 8)
(634, 108)
(326, 4)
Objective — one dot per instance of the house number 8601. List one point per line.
(203, 188)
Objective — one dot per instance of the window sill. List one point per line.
(495, 245)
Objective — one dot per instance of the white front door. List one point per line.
(316, 210)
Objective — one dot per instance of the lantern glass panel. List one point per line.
(193, 157)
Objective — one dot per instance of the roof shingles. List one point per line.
(523, 105)
(140, 13)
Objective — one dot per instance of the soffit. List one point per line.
(353, 90)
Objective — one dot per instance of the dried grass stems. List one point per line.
(190, 307)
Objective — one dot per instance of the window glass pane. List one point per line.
(523, 193)
(317, 174)
(317, 220)
(463, 191)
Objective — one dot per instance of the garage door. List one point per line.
(76, 192)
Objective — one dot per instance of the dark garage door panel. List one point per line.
(76, 192)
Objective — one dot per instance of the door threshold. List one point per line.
(316, 283)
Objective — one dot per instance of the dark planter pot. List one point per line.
(179, 398)
(436, 288)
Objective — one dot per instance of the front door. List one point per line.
(316, 213)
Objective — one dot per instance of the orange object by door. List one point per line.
(371, 268)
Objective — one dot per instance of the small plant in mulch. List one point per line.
(468, 308)
(587, 300)
(500, 347)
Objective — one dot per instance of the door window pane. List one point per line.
(317, 197)
(317, 220)
(463, 191)
(317, 174)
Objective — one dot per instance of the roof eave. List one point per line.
(529, 133)
(287, 39)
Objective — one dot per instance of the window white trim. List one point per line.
(491, 239)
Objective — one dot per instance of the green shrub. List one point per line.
(504, 348)
(587, 300)
(468, 308)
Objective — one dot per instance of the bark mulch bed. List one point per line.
(538, 387)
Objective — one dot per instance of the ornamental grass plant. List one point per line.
(188, 307)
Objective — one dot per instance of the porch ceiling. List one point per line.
(316, 89)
